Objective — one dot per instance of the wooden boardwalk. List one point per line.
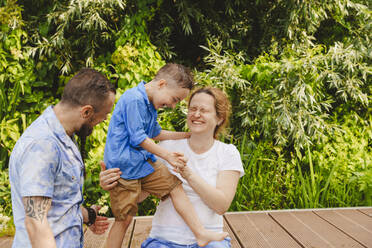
(340, 227)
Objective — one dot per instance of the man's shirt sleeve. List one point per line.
(134, 122)
(38, 169)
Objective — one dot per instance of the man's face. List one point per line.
(87, 128)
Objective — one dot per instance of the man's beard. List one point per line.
(84, 131)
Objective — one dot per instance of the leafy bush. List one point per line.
(300, 89)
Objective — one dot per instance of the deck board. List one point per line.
(227, 228)
(352, 222)
(337, 227)
(259, 230)
(366, 211)
(142, 228)
(312, 231)
(6, 242)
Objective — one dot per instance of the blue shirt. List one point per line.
(46, 162)
(133, 120)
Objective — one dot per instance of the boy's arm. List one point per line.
(174, 158)
(171, 135)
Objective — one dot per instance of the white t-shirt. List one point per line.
(167, 224)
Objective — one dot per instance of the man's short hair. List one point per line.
(176, 73)
(87, 87)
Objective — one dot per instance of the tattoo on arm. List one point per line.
(36, 207)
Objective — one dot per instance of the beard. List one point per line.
(84, 131)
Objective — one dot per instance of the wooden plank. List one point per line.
(352, 222)
(92, 240)
(6, 242)
(142, 228)
(259, 230)
(226, 228)
(366, 211)
(312, 231)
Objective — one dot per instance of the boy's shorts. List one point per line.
(125, 195)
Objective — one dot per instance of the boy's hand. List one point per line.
(187, 135)
(176, 159)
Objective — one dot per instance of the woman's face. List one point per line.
(202, 117)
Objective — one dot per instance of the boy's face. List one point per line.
(167, 96)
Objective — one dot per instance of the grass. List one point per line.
(277, 179)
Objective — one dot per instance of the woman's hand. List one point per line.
(184, 171)
(108, 178)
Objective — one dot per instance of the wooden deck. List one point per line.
(340, 227)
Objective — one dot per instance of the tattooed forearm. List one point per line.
(36, 207)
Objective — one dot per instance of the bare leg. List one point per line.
(185, 209)
(117, 233)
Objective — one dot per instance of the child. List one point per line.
(130, 148)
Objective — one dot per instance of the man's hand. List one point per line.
(101, 225)
(108, 178)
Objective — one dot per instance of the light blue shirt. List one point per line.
(46, 162)
(133, 120)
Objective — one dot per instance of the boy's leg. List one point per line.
(162, 184)
(124, 206)
(186, 210)
(117, 232)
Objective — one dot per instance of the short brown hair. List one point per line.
(88, 86)
(177, 73)
(221, 104)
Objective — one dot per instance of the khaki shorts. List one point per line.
(124, 196)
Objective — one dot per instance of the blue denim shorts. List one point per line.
(161, 243)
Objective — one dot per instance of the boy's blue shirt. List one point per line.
(133, 120)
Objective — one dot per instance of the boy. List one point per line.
(130, 148)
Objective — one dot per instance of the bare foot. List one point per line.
(207, 236)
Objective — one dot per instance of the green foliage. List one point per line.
(335, 173)
(289, 97)
(347, 154)
(22, 96)
(71, 26)
(298, 74)
(135, 58)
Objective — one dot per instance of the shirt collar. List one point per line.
(142, 90)
(58, 130)
(54, 124)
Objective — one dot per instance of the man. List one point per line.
(46, 169)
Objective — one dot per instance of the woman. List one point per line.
(209, 179)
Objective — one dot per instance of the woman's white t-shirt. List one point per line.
(167, 224)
